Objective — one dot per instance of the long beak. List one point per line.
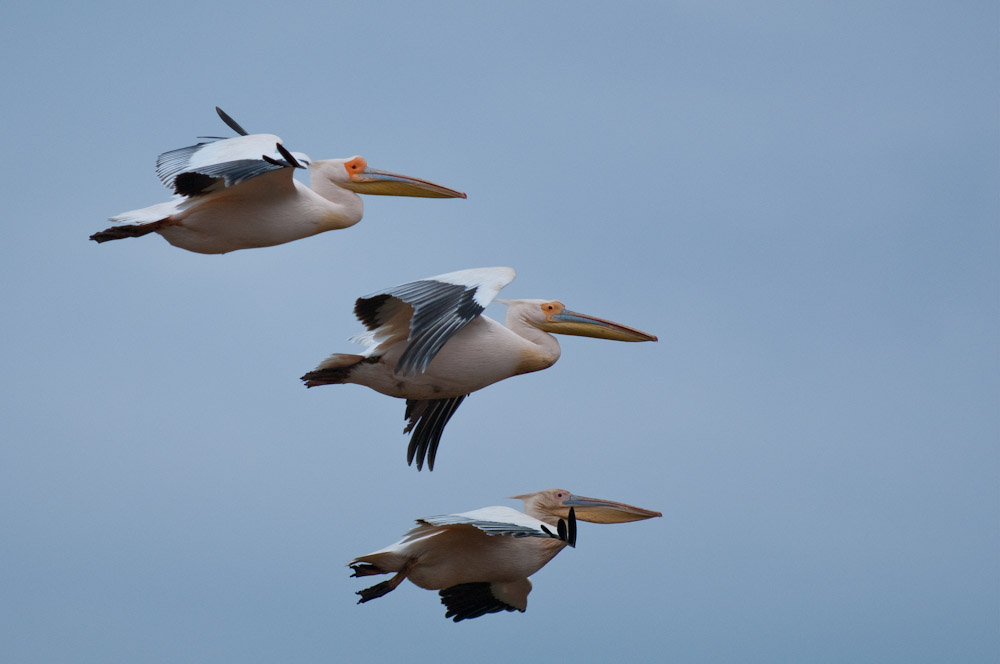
(582, 325)
(383, 183)
(595, 510)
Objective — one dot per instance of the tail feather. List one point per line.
(365, 569)
(158, 212)
(380, 562)
(334, 370)
(136, 223)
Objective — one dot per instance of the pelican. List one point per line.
(239, 193)
(480, 561)
(429, 343)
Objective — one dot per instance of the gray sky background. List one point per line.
(800, 199)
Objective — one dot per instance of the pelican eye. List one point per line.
(552, 308)
(356, 165)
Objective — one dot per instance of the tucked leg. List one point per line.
(386, 587)
(127, 230)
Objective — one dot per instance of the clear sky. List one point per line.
(800, 199)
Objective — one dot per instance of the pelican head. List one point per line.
(553, 504)
(553, 316)
(355, 175)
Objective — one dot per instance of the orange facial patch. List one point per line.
(355, 166)
(552, 308)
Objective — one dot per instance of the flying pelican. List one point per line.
(480, 561)
(429, 344)
(238, 193)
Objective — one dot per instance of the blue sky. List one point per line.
(799, 199)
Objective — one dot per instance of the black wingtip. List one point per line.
(472, 600)
(410, 453)
(415, 451)
(432, 449)
(289, 157)
(233, 124)
(427, 421)
(571, 534)
(565, 529)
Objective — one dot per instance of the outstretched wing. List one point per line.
(429, 312)
(427, 419)
(206, 167)
(471, 600)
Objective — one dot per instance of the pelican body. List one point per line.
(239, 193)
(429, 343)
(480, 561)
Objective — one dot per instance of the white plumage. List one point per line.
(480, 561)
(239, 193)
(429, 343)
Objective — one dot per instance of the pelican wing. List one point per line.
(493, 521)
(471, 600)
(436, 308)
(427, 419)
(206, 167)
